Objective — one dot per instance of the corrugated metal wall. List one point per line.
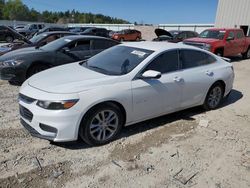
(191, 27)
(233, 13)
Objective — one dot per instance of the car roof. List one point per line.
(223, 29)
(75, 37)
(179, 31)
(59, 32)
(157, 46)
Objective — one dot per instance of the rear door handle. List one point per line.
(178, 79)
(209, 73)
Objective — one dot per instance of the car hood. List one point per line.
(12, 46)
(20, 36)
(201, 40)
(160, 32)
(70, 78)
(21, 52)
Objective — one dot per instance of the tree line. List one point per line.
(16, 10)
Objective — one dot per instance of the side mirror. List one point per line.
(151, 74)
(230, 38)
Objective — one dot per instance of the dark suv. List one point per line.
(101, 32)
(7, 34)
(174, 35)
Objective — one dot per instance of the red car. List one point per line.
(223, 42)
(127, 35)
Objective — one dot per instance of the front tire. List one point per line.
(9, 39)
(219, 52)
(101, 124)
(214, 97)
(246, 55)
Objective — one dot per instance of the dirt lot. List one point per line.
(191, 148)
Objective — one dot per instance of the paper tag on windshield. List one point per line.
(138, 53)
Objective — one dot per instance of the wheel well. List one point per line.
(36, 64)
(119, 105)
(221, 49)
(222, 83)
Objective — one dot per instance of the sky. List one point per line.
(140, 11)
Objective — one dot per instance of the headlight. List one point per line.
(12, 62)
(58, 105)
(207, 47)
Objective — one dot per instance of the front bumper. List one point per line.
(15, 74)
(54, 125)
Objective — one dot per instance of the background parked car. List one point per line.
(30, 29)
(174, 35)
(18, 65)
(77, 29)
(20, 26)
(51, 28)
(8, 34)
(102, 32)
(127, 35)
(223, 42)
(36, 41)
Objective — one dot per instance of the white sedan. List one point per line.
(121, 86)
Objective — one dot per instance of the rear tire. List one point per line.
(9, 39)
(36, 69)
(214, 97)
(101, 124)
(219, 52)
(246, 55)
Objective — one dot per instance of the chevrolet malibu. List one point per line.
(123, 85)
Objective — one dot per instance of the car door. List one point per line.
(197, 74)
(231, 44)
(154, 97)
(240, 40)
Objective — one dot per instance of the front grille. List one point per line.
(25, 113)
(25, 98)
(199, 45)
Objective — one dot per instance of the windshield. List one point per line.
(56, 45)
(212, 34)
(38, 38)
(174, 33)
(118, 60)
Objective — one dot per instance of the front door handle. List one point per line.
(209, 73)
(178, 79)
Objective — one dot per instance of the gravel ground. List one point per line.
(191, 148)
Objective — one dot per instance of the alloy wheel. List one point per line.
(104, 125)
(214, 97)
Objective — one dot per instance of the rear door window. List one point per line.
(102, 44)
(166, 62)
(194, 58)
(239, 34)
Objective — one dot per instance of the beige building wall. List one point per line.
(233, 13)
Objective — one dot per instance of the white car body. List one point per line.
(140, 99)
